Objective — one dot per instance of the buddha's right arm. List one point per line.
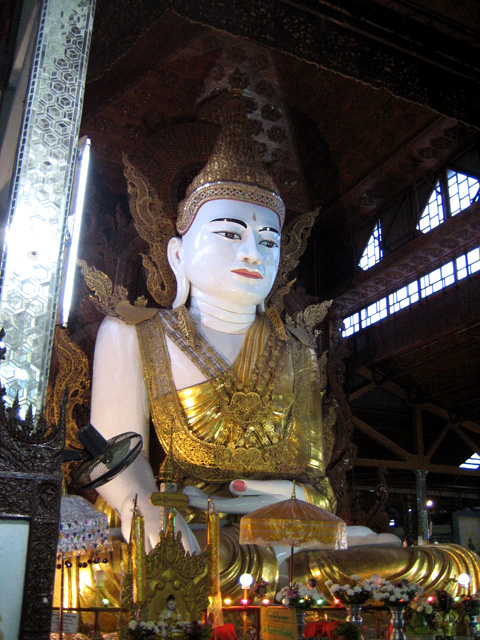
(119, 404)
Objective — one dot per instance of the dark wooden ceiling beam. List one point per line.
(416, 465)
(381, 439)
(365, 51)
(468, 441)
(378, 380)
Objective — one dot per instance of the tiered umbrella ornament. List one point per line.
(294, 523)
(83, 528)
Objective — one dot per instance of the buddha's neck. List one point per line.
(221, 315)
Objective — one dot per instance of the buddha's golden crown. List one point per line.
(234, 170)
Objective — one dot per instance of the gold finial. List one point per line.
(167, 469)
(294, 497)
(234, 170)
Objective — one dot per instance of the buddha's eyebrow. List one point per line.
(270, 229)
(240, 222)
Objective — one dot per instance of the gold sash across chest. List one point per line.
(245, 420)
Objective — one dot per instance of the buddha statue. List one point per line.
(233, 393)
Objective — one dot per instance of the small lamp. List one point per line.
(246, 581)
(464, 581)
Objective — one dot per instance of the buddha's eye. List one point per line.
(269, 243)
(230, 235)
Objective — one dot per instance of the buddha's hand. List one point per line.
(249, 495)
(281, 489)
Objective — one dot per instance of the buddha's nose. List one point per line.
(248, 250)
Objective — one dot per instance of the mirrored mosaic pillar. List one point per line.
(39, 207)
(421, 481)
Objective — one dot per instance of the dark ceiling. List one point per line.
(352, 104)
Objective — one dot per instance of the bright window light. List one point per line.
(75, 222)
(373, 313)
(373, 251)
(404, 297)
(472, 463)
(433, 214)
(468, 263)
(437, 280)
(462, 191)
(351, 325)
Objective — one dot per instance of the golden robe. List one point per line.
(258, 418)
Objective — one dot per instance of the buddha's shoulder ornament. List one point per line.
(304, 325)
(112, 299)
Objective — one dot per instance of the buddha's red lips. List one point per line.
(248, 274)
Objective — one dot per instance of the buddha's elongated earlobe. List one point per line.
(174, 254)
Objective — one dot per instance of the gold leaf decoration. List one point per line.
(106, 295)
(294, 243)
(71, 382)
(310, 318)
(156, 228)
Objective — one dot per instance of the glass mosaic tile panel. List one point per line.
(35, 234)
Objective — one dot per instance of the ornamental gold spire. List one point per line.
(234, 170)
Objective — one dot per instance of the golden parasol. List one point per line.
(295, 523)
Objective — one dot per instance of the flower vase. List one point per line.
(448, 626)
(354, 614)
(397, 623)
(300, 623)
(473, 627)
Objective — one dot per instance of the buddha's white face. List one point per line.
(231, 252)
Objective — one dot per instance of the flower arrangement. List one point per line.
(260, 589)
(356, 592)
(290, 597)
(470, 605)
(142, 630)
(397, 594)
(420, 617)
(443, 601)
(348, 631)
(198, 631)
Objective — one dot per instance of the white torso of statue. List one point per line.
(225, 266)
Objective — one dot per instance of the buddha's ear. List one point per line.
(175, 260)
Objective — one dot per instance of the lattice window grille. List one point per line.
(404, 297)
(468, 263)
(373, 251)
(374, 313)
(437, 279)
(433, 214)
(351, 325)
(462, 191)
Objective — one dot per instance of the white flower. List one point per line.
(328, 583)
(334, 588)
(376, 580)
(357, 588)
(355, 577)
(350, 592)
(132, 625)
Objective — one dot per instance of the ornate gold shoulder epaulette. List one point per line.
(277, 324)
(112, 299)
